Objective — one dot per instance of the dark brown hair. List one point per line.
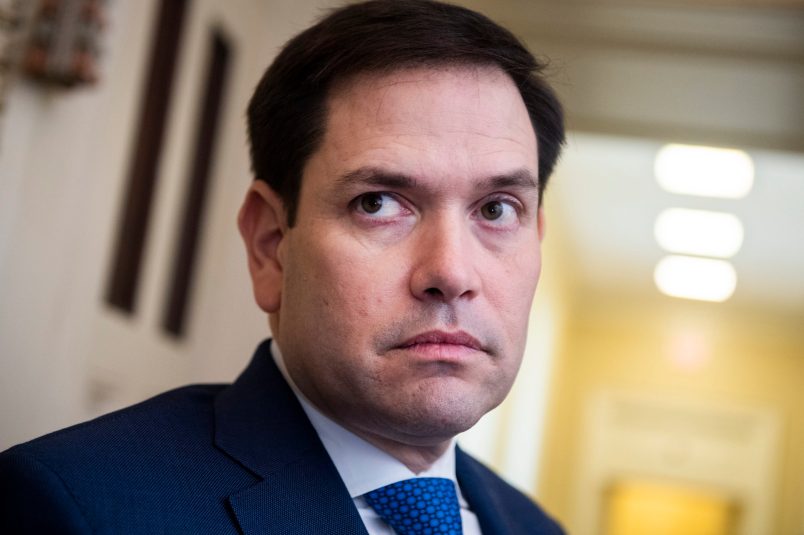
(287, 113)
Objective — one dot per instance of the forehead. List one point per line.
(430, 121)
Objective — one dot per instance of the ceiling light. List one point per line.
(699, 232)
(704, 279)
(704, 171)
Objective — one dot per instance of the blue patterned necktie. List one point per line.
(419, 506)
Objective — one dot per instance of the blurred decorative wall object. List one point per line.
(15, 16)
(64, 44)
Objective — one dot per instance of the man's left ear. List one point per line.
(263, 225)
(540, 222)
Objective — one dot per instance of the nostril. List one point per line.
(434, 292)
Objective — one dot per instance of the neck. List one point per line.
(416, 458)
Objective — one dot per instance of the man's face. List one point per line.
(408, 277)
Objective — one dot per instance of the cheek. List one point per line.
(353, 287)
(513, 288)
(369, 296)
(518, 272)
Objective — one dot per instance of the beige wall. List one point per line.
(705, 353)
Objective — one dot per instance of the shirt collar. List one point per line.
(362, 466)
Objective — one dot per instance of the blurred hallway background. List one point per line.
(636, 412)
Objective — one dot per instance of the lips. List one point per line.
(441, 338)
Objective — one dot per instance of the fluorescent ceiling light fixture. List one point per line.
(704, 171)
(704, 279)
(699, 232)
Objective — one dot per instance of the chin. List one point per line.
(441, 417)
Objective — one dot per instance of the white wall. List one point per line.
(61, 166)
(64, 354)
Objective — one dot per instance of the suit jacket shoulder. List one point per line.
(240, 458)
(137, 470)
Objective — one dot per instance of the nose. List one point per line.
(445, 262)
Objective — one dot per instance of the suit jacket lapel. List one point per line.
(260, 424)
(486, 505)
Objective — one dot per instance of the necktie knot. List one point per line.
(419, 506)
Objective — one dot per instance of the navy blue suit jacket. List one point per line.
(240, 458)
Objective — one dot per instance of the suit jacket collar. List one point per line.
(475, 487)
(260, 424)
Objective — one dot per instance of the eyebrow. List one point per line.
(374, 176)
(521, 178)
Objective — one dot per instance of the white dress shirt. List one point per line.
(364, 467)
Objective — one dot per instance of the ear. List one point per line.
(263, 225)
(540, 222)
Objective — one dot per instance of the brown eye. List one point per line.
(371, 203)
(492, 210)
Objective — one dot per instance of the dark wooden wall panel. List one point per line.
(175, 313)
(124, 281)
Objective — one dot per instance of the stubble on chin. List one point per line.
(426, 410)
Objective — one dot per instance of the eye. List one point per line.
(492, 210)
(378, 205)
(498, 212)
(371, 203)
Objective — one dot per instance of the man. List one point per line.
(401, 149)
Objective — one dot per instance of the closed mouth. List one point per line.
(457, 338)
